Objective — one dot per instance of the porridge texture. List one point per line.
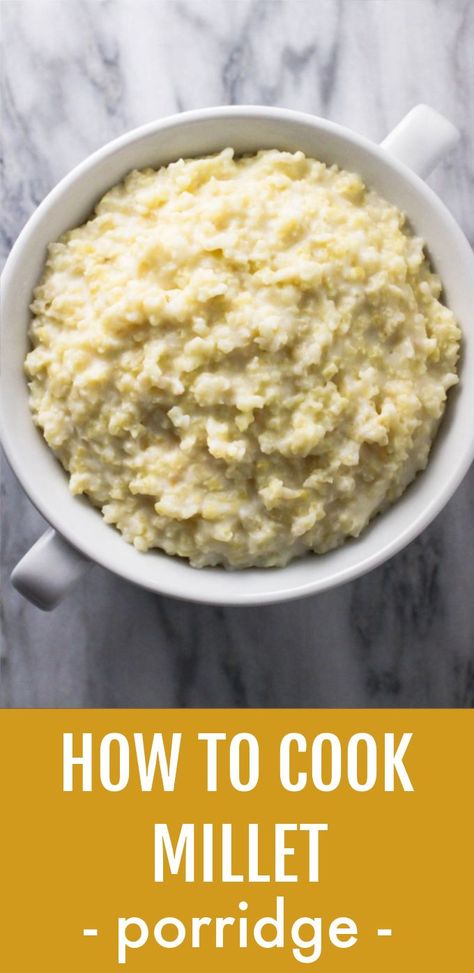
(240, 359)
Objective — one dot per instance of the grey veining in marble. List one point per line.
(78, 73)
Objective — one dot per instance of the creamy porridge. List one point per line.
(240, 360)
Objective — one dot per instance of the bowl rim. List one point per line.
(161, 585)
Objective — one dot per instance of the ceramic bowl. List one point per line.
(78, 535)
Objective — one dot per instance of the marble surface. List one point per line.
(77, 74)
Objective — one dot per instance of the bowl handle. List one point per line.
(421, 139)
(47, 571)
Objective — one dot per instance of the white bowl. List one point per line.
(80, 535)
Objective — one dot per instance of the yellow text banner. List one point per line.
(222, 839)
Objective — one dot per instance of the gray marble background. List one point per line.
(78, 73)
